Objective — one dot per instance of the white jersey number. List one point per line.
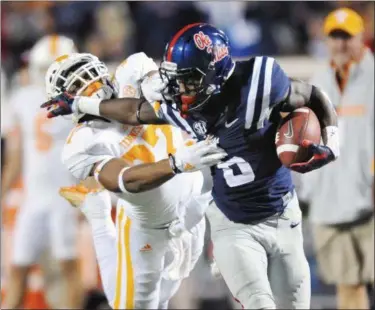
(247, 174)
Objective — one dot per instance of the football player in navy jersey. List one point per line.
(255, 217)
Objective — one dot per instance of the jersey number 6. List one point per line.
(247, 174)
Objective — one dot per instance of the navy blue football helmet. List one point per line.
(196, 64)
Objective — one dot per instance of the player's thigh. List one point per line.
(63, 228)
(242, 261)
(140, 263)
(289, 271)
(30, 235)
(197, 242)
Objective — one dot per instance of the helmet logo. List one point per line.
(203, 41)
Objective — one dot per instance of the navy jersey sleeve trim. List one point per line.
(252, 92)
(268, 86)
(280, 84)
(259, 96)
(173, 117)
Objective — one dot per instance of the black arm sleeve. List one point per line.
(304, 94)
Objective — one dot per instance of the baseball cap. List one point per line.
(344, 19)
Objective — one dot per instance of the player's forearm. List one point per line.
(322, 107)
(145, 177)
(123, 110)
(115, 176)
(128, 111)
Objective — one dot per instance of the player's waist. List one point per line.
(254, 211)
(149, 216)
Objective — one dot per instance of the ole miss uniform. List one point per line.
(251, 184)
(255, 219)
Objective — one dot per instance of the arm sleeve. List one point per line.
(83, 150)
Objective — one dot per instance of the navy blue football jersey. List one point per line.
(250, 184)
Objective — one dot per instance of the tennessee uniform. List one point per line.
(44, 218)
(154, 249)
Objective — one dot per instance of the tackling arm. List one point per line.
(116, 176)
(129, 111)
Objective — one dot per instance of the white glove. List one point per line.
(152, 87)
(197, 156)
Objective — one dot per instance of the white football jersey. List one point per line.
(94, 141)
(43, 140)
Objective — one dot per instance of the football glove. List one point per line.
(63, 104)
(152, 88)
(322, 155)
(66, 104)
(193, 157)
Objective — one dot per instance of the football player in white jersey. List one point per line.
(34, 146)
(160, 223)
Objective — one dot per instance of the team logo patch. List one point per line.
(200, 128)
(146, 248)
(341, 16)
(203, 42)
(129, 91)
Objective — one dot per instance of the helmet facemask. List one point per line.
(80, 75)
(189, 88)
(83, 78)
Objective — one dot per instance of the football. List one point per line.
(293, 129)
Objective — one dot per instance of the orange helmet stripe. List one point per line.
(53, 45)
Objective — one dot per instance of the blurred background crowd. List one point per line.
(114, 30)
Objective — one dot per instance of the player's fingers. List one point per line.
(47, 104)
(56, 112)
(212, 159)
(210, 149)
(300, 167)
(308, 144)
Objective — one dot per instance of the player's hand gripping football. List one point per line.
(322, 155)
(196, 156)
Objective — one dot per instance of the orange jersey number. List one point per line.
(142, 152)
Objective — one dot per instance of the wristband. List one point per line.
(172, 163)
(88, 105)
(99, 168)
(331, 139)
(138, 113)
(120, 180)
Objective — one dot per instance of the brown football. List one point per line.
(301, 124)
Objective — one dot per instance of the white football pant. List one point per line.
(264, 265)
(141, 268)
